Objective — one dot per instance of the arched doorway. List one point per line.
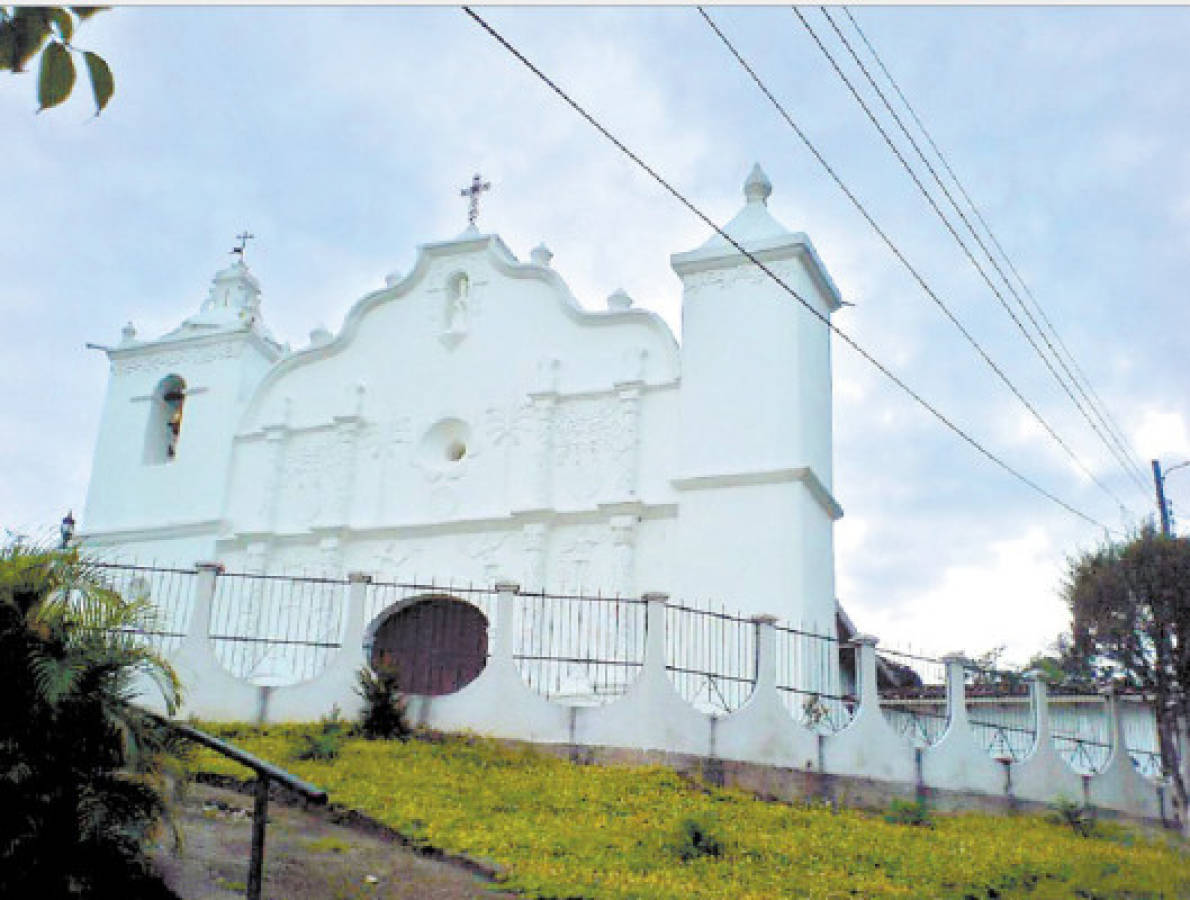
(434, 645)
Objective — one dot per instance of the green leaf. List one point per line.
(56, 78)
(8, 45)
(85, 12)
(31, 28)
(102, 83)
(61, 18)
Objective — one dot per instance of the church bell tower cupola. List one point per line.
(172, 404)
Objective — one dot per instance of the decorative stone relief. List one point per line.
(627, 443)
(584, 432)
(304, 486)
(533, 457)
(623, 531)
(397, 560)
(484, 547)
(576, 559)
(173, 360)
(275, 437)
(729, 279)
(347, 430)
(382, 445)
(534, 551)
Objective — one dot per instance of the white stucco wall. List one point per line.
(500, 430)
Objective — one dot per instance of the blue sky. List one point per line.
(341, 136)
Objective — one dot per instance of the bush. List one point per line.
(384, 714)
(1080, 819)
(909, 812)
(83, 771)
(324, 744)
(696, 838)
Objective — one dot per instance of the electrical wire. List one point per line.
(1100, 408)
(950, 227)
(904, 261)
(545, 79)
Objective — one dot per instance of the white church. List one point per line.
(472, 421)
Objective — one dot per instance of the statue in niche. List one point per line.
(458, 304)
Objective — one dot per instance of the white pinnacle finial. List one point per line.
(758, 187)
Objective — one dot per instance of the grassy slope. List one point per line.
(562, 830)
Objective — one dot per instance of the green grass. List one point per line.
(563, 830)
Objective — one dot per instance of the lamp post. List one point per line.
(66, 529)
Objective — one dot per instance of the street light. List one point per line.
(66, 529)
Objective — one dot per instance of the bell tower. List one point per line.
(170, 414)
(755, 480)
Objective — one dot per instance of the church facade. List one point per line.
(472, 422)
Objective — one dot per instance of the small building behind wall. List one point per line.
(471, 420)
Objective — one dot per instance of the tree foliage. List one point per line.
(26, 31)
(1131, 608)
(1130, 604)
(82, 769)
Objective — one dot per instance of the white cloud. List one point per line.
(1008, 597)
(1161, 433)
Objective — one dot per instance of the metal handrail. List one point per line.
(265, 772)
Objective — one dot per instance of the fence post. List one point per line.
(956, 690)
(353, 628)
(654, 634)
(199, 630)
(766, 653)
(1039, 694)
(504, 646)
(1115, 725)
(869, 693)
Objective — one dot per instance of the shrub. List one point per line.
(696, 838)
(384, 714)
(1079, 818)
(83, 771)
(324, 744)
(909, 812)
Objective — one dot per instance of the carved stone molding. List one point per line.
(176, 360)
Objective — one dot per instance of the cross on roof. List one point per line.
(472, 192)
(243, 239)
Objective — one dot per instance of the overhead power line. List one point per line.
(1097, 405)
(946, 221)
(904, 261)
(681, 198)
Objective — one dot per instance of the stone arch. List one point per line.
(434, 643)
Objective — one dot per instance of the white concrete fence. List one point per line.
(650, 714)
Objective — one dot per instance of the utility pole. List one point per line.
(1162, 507)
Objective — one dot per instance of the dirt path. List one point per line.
(307, 857)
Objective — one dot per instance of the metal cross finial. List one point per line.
(472, 192)
(243, 239)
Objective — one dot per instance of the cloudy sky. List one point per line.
(341, 137)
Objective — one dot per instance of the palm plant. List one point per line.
(82, 769)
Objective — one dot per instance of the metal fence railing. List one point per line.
(586, 650)
(170, 591)
(810, 670)
(710, 656)
(579, 650)
(273, 629)
(912, 689)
